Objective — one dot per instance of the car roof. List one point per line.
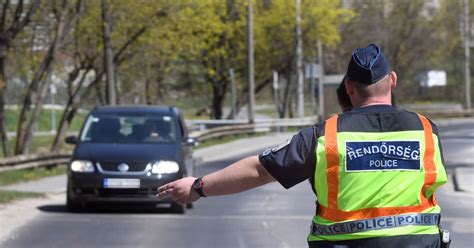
(135, 108)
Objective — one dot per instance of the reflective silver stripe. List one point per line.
(378, 223)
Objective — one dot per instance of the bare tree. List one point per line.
(64, 15)
(15, 16)
(90, 62)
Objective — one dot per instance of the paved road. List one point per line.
(265, 217)
(457, 139)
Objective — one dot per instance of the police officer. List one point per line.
(374, 169)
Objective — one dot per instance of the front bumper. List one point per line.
(89, 188)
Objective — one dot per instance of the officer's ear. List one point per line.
(349, 87)
(393, 79)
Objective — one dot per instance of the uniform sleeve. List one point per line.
(293, 161)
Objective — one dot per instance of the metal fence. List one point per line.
(32, 161)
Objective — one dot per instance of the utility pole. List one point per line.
(299, 64)
(313, 72)
(321, 80)
(251, 105)
(276, 95)
(467, 55)
(108, 54)
(234, 93)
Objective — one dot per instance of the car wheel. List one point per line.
(189, 206)
(74, 206)
(177, 208)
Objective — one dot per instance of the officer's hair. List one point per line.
(380, 88)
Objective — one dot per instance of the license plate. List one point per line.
(122, 183)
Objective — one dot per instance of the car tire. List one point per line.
(189, 206)
(178, 209)
(74, 206)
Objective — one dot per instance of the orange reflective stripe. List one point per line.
(428, 162)
(332, 161)
(333, 213)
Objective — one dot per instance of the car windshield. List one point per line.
(129, 128)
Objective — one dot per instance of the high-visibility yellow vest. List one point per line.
(372, 184)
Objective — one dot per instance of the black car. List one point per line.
(123, 154)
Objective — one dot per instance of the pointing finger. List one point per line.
(166, 187)
(163, 193)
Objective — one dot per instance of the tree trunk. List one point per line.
(66, 120)
(3, 131)
(3, 85)
(108, 54)
(287, 98)
(118, 86)
(160, 86)
(147, 93)
(30, 128)
(217, 98)
(69, 111)
(32, 93)
(99, 91)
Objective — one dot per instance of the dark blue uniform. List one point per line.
(294, 162)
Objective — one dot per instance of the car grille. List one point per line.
(133, 166)
(128, 193)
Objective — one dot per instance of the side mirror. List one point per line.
(191, 142)
(71, 140)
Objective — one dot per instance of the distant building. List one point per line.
(432, 78)
(431, 6)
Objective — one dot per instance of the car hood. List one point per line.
(127, 152)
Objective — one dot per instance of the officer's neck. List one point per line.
(380, 100)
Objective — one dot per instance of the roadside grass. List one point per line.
(190, 106)
(39, 144)
(9, 196)
(44, 122)
(26, 175)
(270, 112)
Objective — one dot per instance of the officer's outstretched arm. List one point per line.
(245, 174)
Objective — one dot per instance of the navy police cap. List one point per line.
(368, 65)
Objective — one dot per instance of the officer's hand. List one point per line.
(181, 190)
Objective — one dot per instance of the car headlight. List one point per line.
(165, 167)
(82, 166)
